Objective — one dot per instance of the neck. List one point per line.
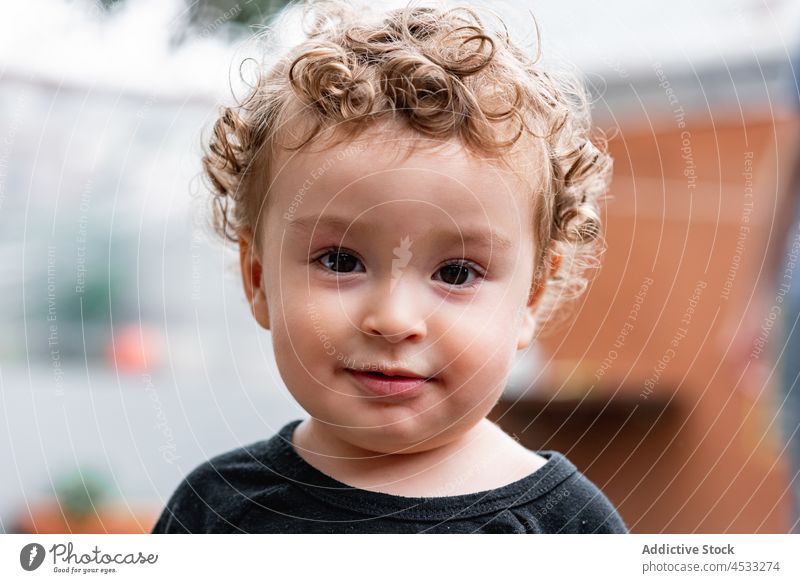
(331, 454)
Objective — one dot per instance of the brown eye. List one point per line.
(339, 261)
(458, 274)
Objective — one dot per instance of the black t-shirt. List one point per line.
(267, 487)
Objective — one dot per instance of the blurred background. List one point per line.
(128, 355)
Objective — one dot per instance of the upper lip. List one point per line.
(392, 372)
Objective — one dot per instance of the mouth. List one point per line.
(396, 384)
(393, 375)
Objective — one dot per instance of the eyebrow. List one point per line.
(478, 237)
(481, 238)
(332, 222)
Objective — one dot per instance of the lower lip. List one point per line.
(382, 386)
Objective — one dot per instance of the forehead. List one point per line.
(464, 234)
(386, 180)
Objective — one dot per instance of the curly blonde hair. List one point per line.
(442, 74)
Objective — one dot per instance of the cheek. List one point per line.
(310, 335)
(481, 356)
(306, 360)
(481, 330)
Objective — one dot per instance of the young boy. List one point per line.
(411, 195)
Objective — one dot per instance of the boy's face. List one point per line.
(420, 266)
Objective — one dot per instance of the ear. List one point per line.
(527, 330)
(252, 278)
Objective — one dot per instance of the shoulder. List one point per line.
(213, 493)
(577, 505)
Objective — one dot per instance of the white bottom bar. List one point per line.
(401, 558)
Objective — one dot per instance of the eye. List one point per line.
(458, 272)
(338, 261)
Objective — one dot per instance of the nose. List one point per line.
(393, 312)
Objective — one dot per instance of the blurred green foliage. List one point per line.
(79, 492)
(212, 17)
(206, 12)
(233, 17)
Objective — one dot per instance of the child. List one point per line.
(411, 194)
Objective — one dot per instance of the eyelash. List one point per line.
(462, 262)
